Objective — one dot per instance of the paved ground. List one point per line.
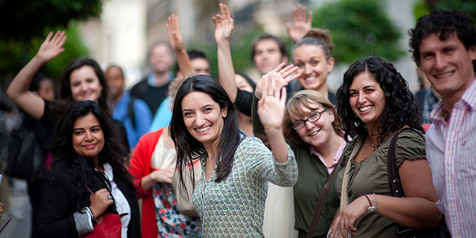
(20, 213)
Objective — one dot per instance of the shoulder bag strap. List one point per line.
(322, 199)
(325, 191)
(393, 175)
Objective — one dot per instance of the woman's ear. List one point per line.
(224, 112)
(331, 115)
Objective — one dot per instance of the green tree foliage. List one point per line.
(467, 6)
(25, 19)
(24, 25)
(16, 54)
(359, 28)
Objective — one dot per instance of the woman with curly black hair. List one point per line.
(375, 103)
(88, 177)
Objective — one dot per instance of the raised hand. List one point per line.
(286, 76)
(271, 106)
(223, 24)
(52, 46)
(300, 25)
(173, 32)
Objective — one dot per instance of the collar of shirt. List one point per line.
(439, 113)
(334, 161)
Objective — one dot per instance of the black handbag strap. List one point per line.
(322, 199)
(393, 175)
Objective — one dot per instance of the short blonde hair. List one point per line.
(307, 99)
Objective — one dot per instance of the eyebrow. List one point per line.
(80, 128)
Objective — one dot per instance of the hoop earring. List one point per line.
(356, 123)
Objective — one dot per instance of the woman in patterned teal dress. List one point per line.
(231, 194)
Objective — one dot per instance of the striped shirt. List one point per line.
(451, 152)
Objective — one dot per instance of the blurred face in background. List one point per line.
(313, 66)
(85, 84)
(46, 89)
(200, 66)
(267, 55)
(161, 58)
(242, 84)
(115, 82)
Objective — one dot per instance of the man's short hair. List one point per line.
(193, 54)
(442, 22)
(267, 36)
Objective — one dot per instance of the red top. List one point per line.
(140, 167)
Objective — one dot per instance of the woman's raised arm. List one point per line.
(31, 103)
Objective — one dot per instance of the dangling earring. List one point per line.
(356, 123)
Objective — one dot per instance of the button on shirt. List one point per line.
(451, 152)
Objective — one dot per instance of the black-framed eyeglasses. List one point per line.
(311, 118)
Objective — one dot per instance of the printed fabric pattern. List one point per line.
(170, 222)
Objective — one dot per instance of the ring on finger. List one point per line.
(270, 94)
(109, 197)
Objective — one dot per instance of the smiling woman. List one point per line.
(375, 103)
(88, 177)
(88, 138)
(231, 193)
(313, 56)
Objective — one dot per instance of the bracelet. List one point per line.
(376, 202)
(91, 214)
(371, 208)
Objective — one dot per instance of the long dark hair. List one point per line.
(188, 148)
(400, 107)
(65, 95)
(82, 169)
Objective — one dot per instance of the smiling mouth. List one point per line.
(203, 129)
(443, 75)
(364, 109)
(315, 133)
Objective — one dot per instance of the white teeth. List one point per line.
(314, 133)
(362, 109)
(203, 129)
(309, 79)
(444, 75)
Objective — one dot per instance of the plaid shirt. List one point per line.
(426, 100)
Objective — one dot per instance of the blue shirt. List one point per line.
(143, 118)
(163, 116)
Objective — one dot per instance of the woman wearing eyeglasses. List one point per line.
(312, 129)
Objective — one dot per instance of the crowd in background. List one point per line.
(279, 156)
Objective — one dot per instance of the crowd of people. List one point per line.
(281, 156)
